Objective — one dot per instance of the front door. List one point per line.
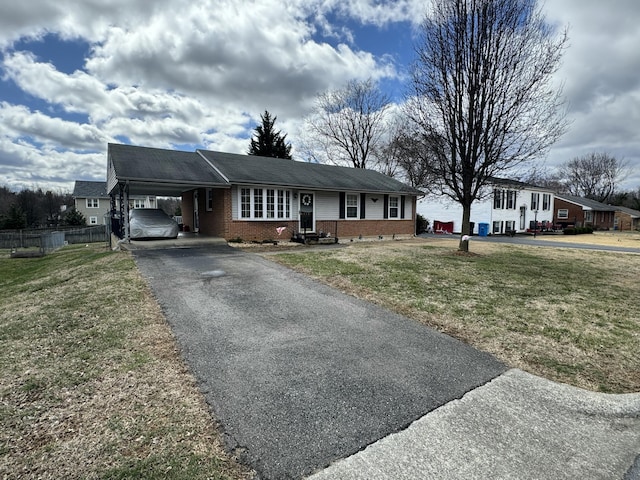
(523, 213)
(307, 220)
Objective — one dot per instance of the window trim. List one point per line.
(347, 206)
(535, 201)
(274, 203)
(93, 220)
(566, 213)
(95, 202)
(396, 207)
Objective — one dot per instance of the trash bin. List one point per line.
(483, 229)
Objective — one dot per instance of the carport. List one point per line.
(151, 171)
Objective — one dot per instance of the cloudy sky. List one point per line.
(186, 74)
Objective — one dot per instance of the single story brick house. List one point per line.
(582, 212)
(626, 219)
(253, 198)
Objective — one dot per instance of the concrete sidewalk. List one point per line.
(518, 426)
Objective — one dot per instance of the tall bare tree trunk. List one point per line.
(466, 228)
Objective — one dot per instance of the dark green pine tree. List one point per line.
(267, 142)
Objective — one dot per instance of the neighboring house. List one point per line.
(582, 212)
(92, 200)
(626, 219)
(258, 198)
(508, 206)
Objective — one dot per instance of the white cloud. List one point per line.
(600, 70)
(180, 72)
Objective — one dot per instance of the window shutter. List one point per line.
(363, 197)
(342, 205)
(402, 206)
(386, 207)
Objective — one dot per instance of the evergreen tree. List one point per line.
(75, 218)
(267, 142)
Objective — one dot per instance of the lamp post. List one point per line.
(535, 222)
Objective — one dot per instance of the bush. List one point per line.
(577, 230)
(422, 224)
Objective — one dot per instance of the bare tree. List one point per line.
(348, 125)
(482, 82)
(593, 176)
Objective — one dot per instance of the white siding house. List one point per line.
(509, 206)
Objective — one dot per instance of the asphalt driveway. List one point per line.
(298, 374)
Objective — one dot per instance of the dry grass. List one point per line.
(91, 384)
(614, 239)
(565, 314)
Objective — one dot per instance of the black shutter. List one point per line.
(386, 207)
(402, 206)
(342, 205)
(363, 198)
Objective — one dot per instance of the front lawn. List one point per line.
(569, 315)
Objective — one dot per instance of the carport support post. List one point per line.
(125, 201)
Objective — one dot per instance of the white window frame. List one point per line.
(93, 220)
(588, 216)
(395, 207)
(511, 199)
(496, 226)
(498, 199)
(546, 201)
(535, 201)
(271, 203)
(139, 203)
(350, 204)
(93, 203)
(563, 213)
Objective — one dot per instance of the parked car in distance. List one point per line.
(149, 223)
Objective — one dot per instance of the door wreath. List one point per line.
(306, 200)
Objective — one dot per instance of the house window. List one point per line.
(287, 204)
(271, 202)
(138, 203)
(93, 203)
(535, 201)
(352, 205)
(280, 204)
(496, 227)
(546, 201)
(93, 220)
(511, 225)
(394, 202)
(563, 213)
(257, 203)
(511, 199)
(497, 199)
(588, 216)
(245, 203)
(209, 199)
(253, 202)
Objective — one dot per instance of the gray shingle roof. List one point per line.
(251, 169)
(629, 211)
(88, 189)
(147, 168)
(585, 202)
(162, 166)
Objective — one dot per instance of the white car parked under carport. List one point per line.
(150, 223)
